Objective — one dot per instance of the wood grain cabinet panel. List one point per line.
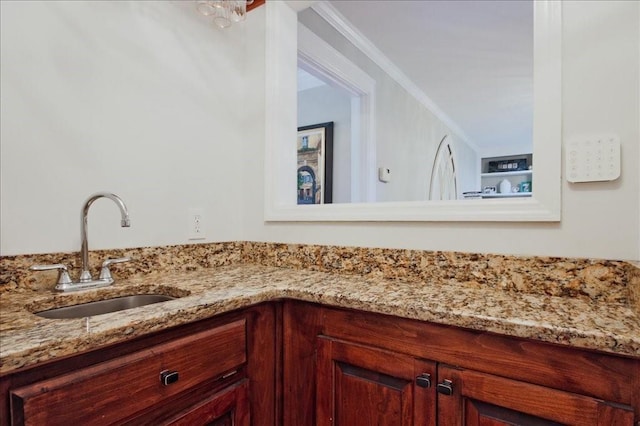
(367, 368)
(114, 390)
(358, 385)
(484, 399)
(230, 407)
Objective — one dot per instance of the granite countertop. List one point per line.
(27, 339)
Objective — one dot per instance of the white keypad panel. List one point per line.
(593, 158)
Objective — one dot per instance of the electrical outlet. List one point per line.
(196, 224)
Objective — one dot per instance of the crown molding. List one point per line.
(359, 40)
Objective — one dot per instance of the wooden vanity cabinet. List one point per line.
(219, 371)
(301, 364)
(353, 368)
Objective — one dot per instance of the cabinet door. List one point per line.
(359, 385)
(230, 407)
(474, 398)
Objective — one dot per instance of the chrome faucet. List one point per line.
(86, 281)
(85, 274)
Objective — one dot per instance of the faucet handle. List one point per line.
(105, 273)
(63, 272)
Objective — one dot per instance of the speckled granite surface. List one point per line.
(583, 303)
(634, 286)
(601, 280)
(598, 280)
(15, 273)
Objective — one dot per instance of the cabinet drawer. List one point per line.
(228, 407)
(114, 390)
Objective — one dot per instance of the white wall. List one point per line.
(600, 95)
(143, 99)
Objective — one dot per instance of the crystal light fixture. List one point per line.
(224, 13)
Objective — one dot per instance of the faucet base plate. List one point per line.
(84, 285)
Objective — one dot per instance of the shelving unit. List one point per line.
(512, 195)
(515, 177)
(506, 174)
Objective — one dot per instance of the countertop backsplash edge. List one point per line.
(609, 281)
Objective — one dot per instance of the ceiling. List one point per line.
(473, 59)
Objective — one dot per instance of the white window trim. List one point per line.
(319, 58)
(280, 128)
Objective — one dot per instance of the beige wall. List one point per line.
(140, 98)
(169, 113)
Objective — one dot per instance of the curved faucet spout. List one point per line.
(85, 275)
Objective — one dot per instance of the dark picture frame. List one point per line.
(315, 164)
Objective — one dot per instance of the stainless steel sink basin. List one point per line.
(103, 306)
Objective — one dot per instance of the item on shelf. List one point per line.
(515, 188)
(472, 195)
(507, 165)
(490, 189)
(525, 186)
(505, 186)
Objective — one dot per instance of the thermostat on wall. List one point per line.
(384, 174)
(592, 158)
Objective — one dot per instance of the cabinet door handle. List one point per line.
(445, 388)
(424, 380)
(167, 377)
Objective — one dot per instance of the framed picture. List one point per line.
(315, 163)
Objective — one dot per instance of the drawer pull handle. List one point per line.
(424, 380)
(167, 377)
(445, 388)
(228, 375)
